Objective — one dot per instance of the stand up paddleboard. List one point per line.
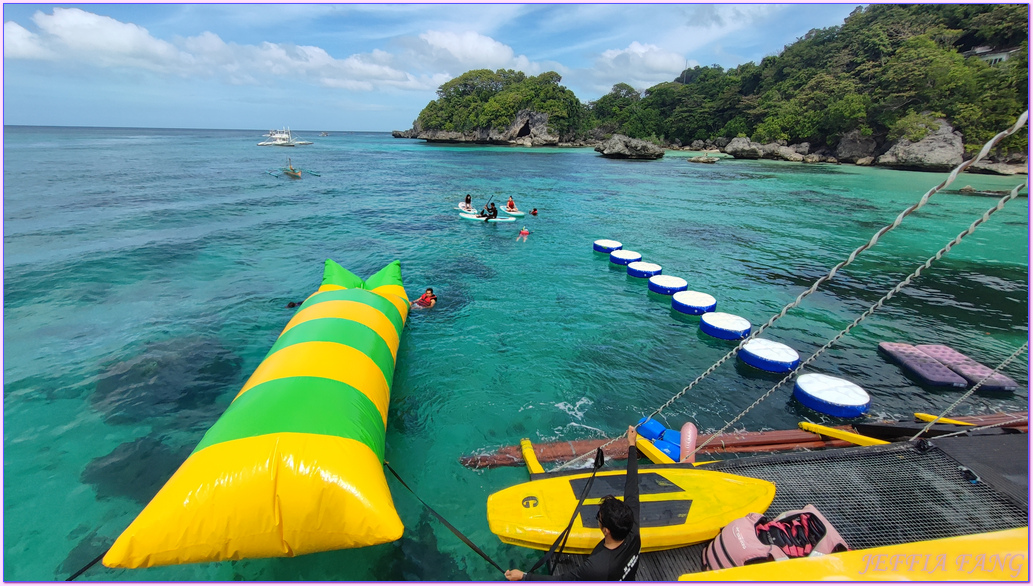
(514, 213)
(678, 507)
(476, 218)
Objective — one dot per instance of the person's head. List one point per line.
(430, 291)
(615, 516)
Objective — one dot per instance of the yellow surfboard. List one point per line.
(679, 506)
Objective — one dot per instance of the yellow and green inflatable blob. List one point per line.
(295, 464)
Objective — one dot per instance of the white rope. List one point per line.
(971, 429)
(853, 255)
(878, 304)
(972, 390)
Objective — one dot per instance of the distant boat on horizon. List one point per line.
(282, 138)
(324, 134)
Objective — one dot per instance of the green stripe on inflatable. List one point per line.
(300, 404)
(341, 331)
(361, 296)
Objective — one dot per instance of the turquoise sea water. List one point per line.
(146, 274)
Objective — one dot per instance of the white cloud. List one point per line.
(19, 43)
(639, 65)
(460, 52)
(76, 36)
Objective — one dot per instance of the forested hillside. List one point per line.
(887, 71)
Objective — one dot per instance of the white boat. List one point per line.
(282, 138)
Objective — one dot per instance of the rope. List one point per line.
(451, 528)
(87, 566)
(878, 304)
(971, 429)
(853, 255)
(973, 389)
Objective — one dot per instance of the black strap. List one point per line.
(457, 533)
(87, 566)
(561, 539)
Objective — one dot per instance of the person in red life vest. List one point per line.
(511, 205)
(616, 556)
(534, 212)
(426, 301)
(524, 232)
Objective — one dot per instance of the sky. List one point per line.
(358, 67)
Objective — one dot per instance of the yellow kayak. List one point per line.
(1000, 555)
(679, 506)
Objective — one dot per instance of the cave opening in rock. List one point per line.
(525, 130)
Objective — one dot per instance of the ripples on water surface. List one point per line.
(146, 274)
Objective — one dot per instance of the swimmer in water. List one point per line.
(523, 233)
(534, 212)
(426, 301)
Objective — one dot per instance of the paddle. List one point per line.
(310, 172)
(486, 207)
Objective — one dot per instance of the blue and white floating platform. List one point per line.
(769, 355)
(667, 285)
(830, 395)
(693, 302)
(624, 257)
(724, 325)
(644, 270)
(606, 246)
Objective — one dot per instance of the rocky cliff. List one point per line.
(528, 129)
(622, 147)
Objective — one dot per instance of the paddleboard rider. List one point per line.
(493, 212)
(511, 205)
(616, 556)
(427, 300)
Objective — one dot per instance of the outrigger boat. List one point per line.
(291, 171)
(283, 138)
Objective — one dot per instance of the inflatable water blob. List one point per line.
(295, 464)
(769, 355)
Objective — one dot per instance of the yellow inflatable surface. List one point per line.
(678, 506)
(295, 464)
(1001, 555)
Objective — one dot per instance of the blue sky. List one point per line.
(352, 66)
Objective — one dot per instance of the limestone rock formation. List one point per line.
(854, 146)
(623, 147)
(743, 148)
(940, 150)
(528, 128)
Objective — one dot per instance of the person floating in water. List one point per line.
(616, 556)
(426, 301)
(523, 233)
(511, 205)
(534, 212)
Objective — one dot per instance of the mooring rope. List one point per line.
(853, 255)
(875, 307)
(991, 426)
(968, 393)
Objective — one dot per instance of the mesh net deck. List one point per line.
(874, 496)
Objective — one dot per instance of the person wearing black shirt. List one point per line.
(616, 556)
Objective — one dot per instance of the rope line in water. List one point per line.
(445, 522)
(875, 307)
(87, 566)
(968, 393)
(1023, 118)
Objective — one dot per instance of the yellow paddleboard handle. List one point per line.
(533, 465)
(861, 440)
(927, 418)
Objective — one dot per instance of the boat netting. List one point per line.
(874, 496)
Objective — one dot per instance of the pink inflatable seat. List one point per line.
(922, 366)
